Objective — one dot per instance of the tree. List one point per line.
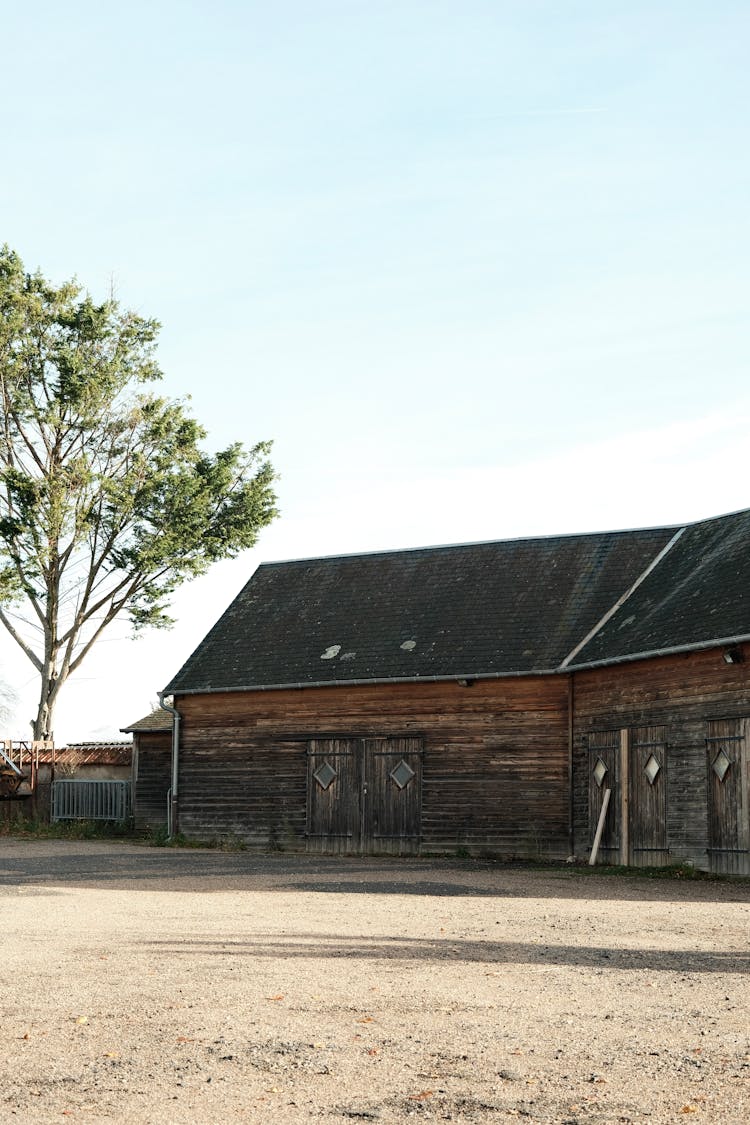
(107, 501)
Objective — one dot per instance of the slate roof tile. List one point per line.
(698, 594)
(155, 721)
(504, 608)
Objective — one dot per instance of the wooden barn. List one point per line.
(151, 768)
(482, 698)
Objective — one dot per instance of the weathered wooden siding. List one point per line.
(495, 761)
(682, 693)
(152, 766)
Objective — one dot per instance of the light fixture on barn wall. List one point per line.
(465, 683)
(733, 655)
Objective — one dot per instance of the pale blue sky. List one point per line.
(480, 269)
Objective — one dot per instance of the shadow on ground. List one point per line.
(396, 947)
(49, 865)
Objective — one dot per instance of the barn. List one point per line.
(151, 768)
(481, 699)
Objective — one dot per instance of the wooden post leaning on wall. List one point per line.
(600, 827)
(625, 797)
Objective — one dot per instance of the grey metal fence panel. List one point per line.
(91, 800)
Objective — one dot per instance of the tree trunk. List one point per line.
(42, 725)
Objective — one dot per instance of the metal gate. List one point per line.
(364, 795)
(91, 800)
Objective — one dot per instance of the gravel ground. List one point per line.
(144, 985)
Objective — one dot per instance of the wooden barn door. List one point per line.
(728, 796)
(648, 797)
(604, 774)
(632, 764)
(393, 795)
(364, 795)
(333, 784)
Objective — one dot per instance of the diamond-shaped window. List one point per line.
(402, 774)
(721, 764)
(651, 769)
(324, 775)
(600, 772)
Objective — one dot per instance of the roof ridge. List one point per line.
(428, 548)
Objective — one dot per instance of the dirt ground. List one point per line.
(148, 985)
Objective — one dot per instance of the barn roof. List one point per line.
(513, 607)
(88, 754)
(698, 596)
(155, 721)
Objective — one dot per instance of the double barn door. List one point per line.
(632, 765)
(364, 795)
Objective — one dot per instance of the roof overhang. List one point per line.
(464, 678)
(651, 654)
(457, 678)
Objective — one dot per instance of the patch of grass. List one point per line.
(34, 828)
(684, 871)
(37, 829)
(158, 838)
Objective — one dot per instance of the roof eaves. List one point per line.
(456, 677)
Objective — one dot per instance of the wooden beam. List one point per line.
(600, 826)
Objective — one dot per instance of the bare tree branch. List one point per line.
(20, 641)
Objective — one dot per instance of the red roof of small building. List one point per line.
(89, 754)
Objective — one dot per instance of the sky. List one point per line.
(480, 270)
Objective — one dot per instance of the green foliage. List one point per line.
(160, 838)
(107, 500)
(669, 871)
(35, 828)
(38, 829)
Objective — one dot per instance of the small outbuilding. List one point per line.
(86, 761)
(482, 698)
(151, 768)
